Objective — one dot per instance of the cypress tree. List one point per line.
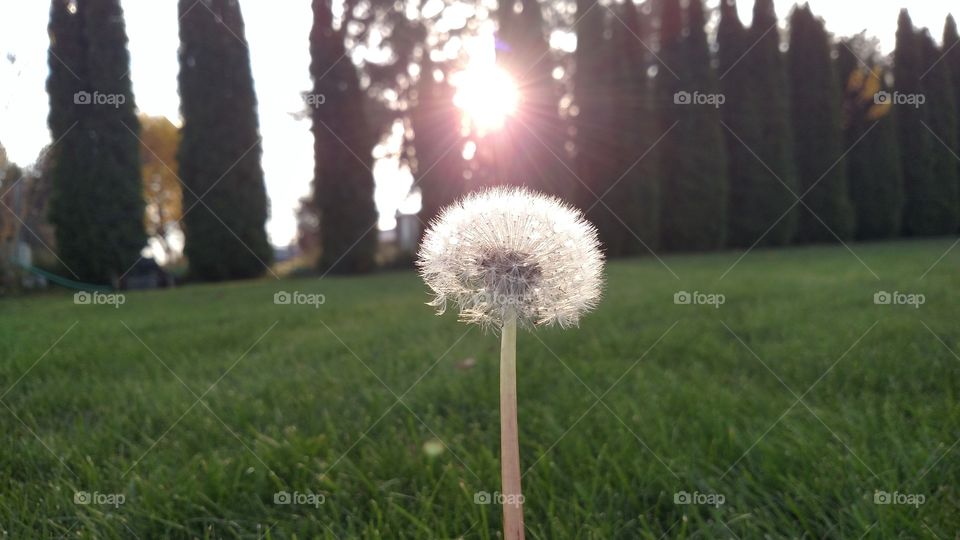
(694, 188)
(941, 212)
(752, 187)
(97, 200)
(220, 148)
(873, 163)
(951, 47)
(818, 137)
(634, 197)
(765, 68)
(924, 211)
(437, 162)
(343, 187)
(914, 140)
(596, 151)
(530, 147)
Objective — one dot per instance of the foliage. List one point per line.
(97, 202)
(693, 194)
(437, 162)
(826, 214)
(873, 159)
(941, 203)
(225, 201)
(343, 146)
(159, 141)
(759, 197)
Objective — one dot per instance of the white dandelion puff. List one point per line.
(509, 252)
(509, 257)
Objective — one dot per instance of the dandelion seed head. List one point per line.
(510, 251)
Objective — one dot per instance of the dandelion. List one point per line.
(509, 256)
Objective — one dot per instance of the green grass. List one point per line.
(694, 399)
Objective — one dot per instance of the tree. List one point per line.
(940, 202)
(873, 162)
(97, 202)
(437, 164)
(595, 105)
(951, 47)
(530, 148)
(225, 203)
(924, 211)
(694, 162)
(634, 196)
(772, 218)
(159, 140)
(757, 197)
(826, 214)
(343, 182)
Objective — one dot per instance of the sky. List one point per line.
(277, 33)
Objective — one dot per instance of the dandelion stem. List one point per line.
(509, 437)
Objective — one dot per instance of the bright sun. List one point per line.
(486, 95)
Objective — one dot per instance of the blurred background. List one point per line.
(323, 138)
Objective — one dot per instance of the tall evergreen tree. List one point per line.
(764, 67)
(925, 210)
(873, 163)
(596, 149)
(530, 147)
(97, 201)
(951, 48)
(914, 140)
(941, 213)
(635, 195)
(694, 163)
(343, 188)
(818, 133)
(437, 162)
(757, 197)
(225, 205)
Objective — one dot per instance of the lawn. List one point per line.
(790, 410)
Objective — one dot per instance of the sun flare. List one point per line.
(487, 95)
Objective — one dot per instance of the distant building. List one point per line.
(408, 232)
